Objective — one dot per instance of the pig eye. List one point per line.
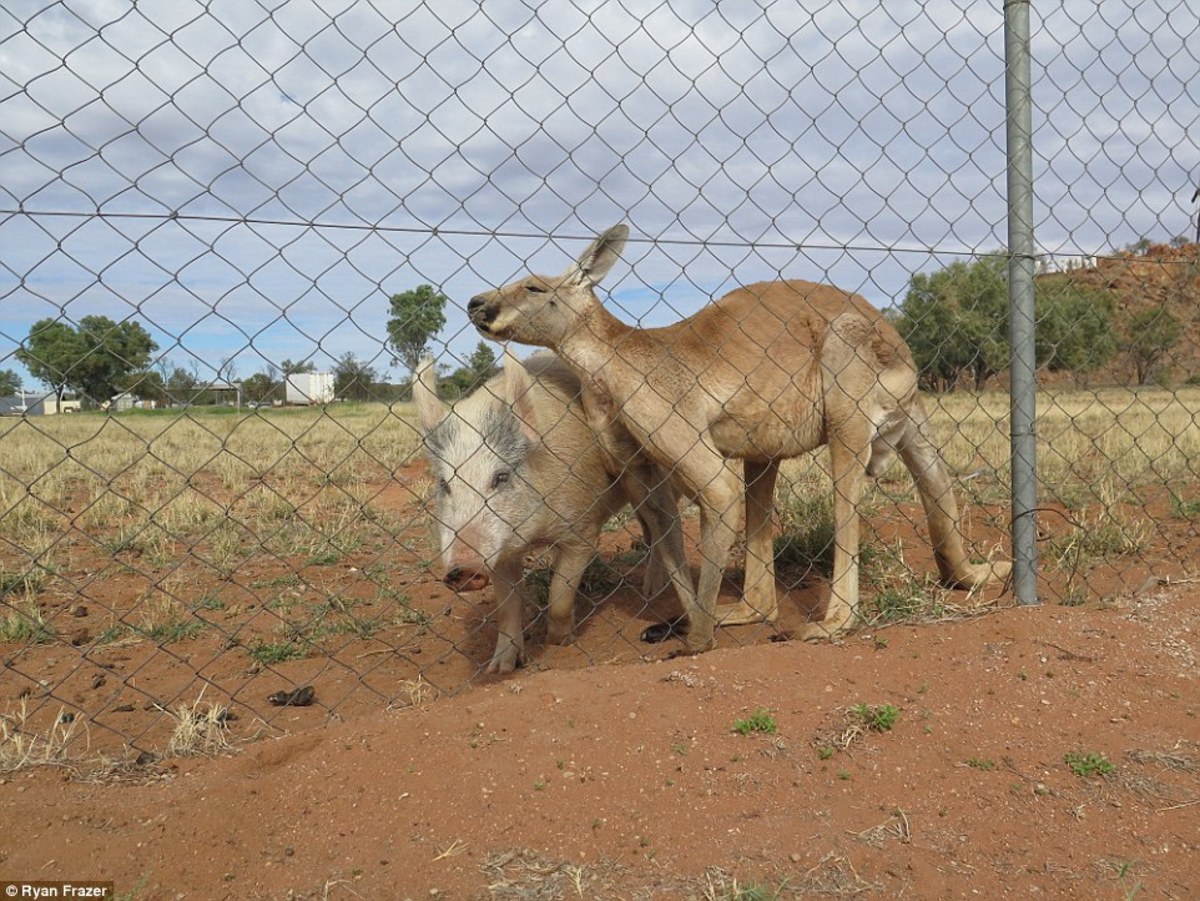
(500, 479)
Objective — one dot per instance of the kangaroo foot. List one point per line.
(743, 613)
(824, 630)
(979, 575)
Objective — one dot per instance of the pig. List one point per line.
(519, 466)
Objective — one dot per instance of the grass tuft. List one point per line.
(877, 719)
(1092, 763)
(200, 730)
(23, 746)
(26, 624)
(759, 721)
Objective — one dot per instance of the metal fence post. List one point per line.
(1023, 386)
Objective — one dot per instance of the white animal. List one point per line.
(519, 467)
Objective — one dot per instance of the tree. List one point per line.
(50, 352)
(352, 378)
(260, 387)
(113, 352)
(480, 367)
(482, 363)
(1074, 329)
(289, 367)
(94, 358)
(416, 317)
(182, 386)
(955, 322)
(146, 385)
(1151, 333)
(10, 382)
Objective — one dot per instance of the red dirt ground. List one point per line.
(603, 771)
(629, 781)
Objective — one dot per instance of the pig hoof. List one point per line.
(660, 632)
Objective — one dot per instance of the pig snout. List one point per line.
(466, 565)
(467, 578)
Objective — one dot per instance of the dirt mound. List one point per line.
(1053, 751)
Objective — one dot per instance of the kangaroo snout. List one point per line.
(480, 311)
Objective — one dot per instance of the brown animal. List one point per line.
(769, 371)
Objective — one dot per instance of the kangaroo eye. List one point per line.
(443, 487)
(535, 289)
(500, 479)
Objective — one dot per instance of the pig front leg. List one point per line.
(510, 617)
(564, 586)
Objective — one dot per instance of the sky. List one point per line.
(252, 179)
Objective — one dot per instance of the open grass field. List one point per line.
(265, 549)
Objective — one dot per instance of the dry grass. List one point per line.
(1133, 437)
(189, 495)
(200, 730)
(1179, 763)
(414, 692)
(25, 621)
(160, 479)
(1100, 455)
(183, 472)
(24, 745)
(194, 493)
(1184, 756)
(1112, 528)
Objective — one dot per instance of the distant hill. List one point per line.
(1160, 275)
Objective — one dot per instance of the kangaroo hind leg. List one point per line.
(760, 601)
(933, 483)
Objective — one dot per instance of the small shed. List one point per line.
(37, 403)
(310, 388)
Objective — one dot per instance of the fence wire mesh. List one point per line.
(229, 232)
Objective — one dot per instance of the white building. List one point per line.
(310, 388)
(1049, 262)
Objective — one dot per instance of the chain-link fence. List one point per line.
(229, 232)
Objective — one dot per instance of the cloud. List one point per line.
(266, 178)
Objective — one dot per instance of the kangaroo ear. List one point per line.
(518, 390)
(430, 409)
(600, 256)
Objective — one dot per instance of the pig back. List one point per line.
(576, 467)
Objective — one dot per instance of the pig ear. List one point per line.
(430, 409)
(601, 255)
(518, 390)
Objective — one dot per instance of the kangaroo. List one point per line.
(771, 370)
